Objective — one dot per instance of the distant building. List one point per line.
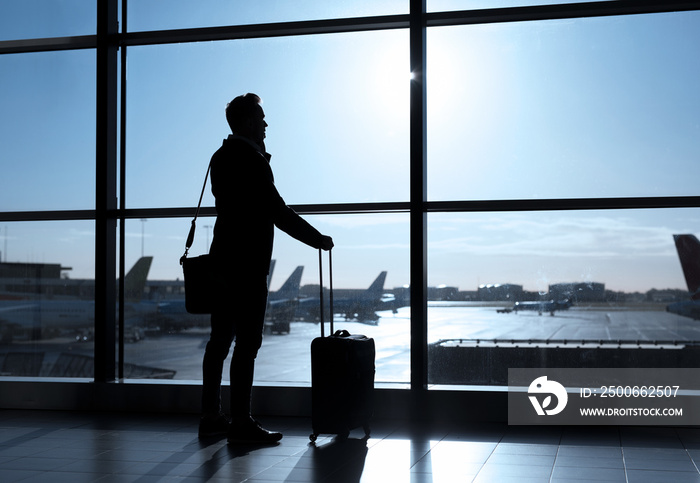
(578, 291)
(31, 270)
(467, 295)
(665, 296)
(500, 292)
(32, 280)
(442, 292)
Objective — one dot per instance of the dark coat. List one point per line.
(248, 207)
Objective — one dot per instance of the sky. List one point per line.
(601, 107)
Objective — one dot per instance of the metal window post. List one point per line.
(106, 190)
(418, 198)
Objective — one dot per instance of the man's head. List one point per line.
(246, 118)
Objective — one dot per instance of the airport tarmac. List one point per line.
(285, 359)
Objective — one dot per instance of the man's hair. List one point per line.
(241, 109)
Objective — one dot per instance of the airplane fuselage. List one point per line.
(61, 314)
(550, 306)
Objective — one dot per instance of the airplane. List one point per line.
(41, 318)
(172, 315)
(550, 306)
(362, 306)
(282, 305)
(688, 248)
(269, 273)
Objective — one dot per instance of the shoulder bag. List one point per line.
(198, 271)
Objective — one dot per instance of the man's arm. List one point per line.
(287, 220)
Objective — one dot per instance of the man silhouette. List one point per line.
(248, 208)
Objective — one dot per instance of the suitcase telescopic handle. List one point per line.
(320, 283)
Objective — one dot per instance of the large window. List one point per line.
(28, 19)
(584, 108)
(47, 292)
(594, 107)
(600, 282)
(370, 272)
(337, 109)
(150, 15)
(48, 131)
(442, 5)
(466, 156)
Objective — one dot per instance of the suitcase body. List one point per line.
(342, 377)
(342, 383)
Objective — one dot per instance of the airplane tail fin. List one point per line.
(290, 288)
(135, 279)
(688, 248)
(377, 288)
(269, 273)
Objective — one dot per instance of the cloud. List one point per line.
(358, 221)
(547, 235)
(378, 246)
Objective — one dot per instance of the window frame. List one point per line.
(111, 46)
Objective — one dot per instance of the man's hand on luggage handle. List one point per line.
(327, 243)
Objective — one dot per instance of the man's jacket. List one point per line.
(248, 207)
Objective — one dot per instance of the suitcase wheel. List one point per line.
(367, 430)
(313, 437)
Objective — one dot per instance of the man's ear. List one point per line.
(246, 128)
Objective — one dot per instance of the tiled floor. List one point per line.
(74, 447)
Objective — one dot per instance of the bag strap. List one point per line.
(190, 236)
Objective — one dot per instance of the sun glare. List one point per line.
(390, 82)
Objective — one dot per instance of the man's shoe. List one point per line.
(212, 426)
(252, 433)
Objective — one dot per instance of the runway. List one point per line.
(285, 359)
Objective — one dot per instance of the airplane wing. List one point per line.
(16, 307)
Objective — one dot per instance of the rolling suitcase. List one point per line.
(342, 376)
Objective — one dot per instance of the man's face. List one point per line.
(257, 126)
